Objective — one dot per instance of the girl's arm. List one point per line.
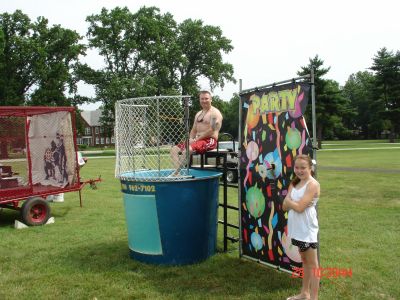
(299, 206)
(285, 206)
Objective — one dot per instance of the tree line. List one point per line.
(148, 53)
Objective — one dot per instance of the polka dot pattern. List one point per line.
(303, 246)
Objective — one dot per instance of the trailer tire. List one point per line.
(35, 211)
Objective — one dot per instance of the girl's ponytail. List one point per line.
(295, 180)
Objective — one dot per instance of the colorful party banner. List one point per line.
(273, 132)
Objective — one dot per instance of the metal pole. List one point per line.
(117, 170)
(314, 141)
(314, 120)
(80, 197)
(186, 103)
(274, 84)
(238, 166)
(158, 137)
(128, 120)
(225, 170)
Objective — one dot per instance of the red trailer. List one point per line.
(38, 158)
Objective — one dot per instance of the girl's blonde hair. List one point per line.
(296, 179)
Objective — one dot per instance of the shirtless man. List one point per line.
(204, 134)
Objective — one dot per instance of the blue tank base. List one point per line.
(172, 222)
(163, 260)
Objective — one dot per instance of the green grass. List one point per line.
(372, 159)
(84, 255)
(358, 216)
(359, 145)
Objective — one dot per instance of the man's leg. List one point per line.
(178, 157)
(175, 153)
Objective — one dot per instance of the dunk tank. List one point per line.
(38, 158)
(171, 217)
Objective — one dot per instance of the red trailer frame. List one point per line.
(35, 209)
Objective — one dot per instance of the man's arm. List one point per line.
(216, 121)
(193, 131)
(215, 126)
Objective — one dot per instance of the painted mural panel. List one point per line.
(274, 131)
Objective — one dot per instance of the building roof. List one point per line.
(92, 117)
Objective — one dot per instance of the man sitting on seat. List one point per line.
(204, 134)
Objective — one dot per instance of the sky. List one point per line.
(272, 40)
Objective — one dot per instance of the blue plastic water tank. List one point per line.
(172, 222)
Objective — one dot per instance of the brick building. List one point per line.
(94, 134)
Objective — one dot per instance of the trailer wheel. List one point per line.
(35, 211)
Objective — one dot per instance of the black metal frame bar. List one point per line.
(204, 164)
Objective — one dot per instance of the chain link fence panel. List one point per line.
(152, 138)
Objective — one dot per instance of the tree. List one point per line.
(37, 62)
(56, 64)
(329, 104)
(17, 58)
(339, 114)
(386, 65)
(148, 53)
(359, 90)
(201, 49)
(37, 66)
(138, 51)
(231, 117)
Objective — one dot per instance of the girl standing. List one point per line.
(303, 227)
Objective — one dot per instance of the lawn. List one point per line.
(84, 255)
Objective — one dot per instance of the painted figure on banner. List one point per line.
(49, 167)
(61, 158)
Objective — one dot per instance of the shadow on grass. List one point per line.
(223, 275)
(60, 212)
(8, 217)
